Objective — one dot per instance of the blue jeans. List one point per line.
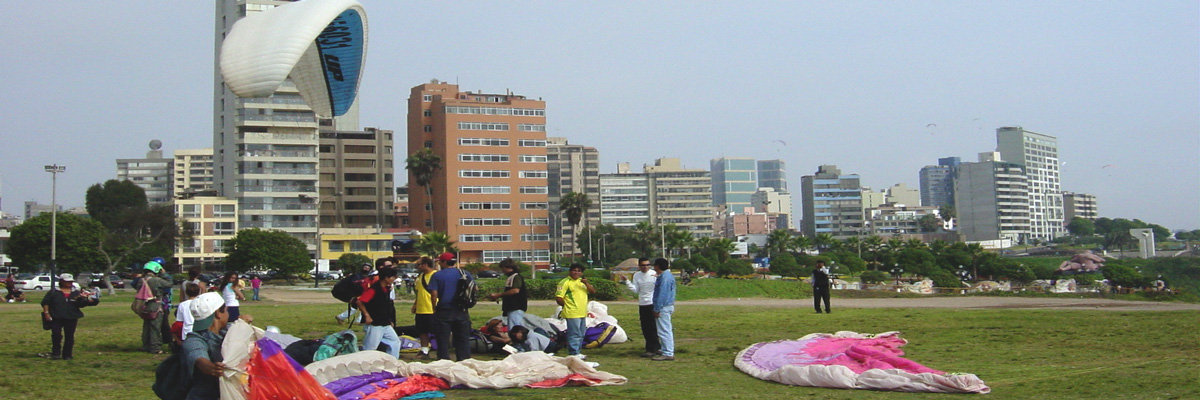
(373, 335)
(575, 330)
(515, 318)
(256, 294)
(666, 332)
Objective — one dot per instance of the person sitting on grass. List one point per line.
(525, 340)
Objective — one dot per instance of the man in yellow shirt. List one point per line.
(572, 295)
(422, 307)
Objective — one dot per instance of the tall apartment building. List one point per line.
(773, 174)
(734, 180)
(193, 171)
(265, 149)
(1080, 205)
(902, 194)
(991, 199)
(152, 174)
(1037, 155)
(832, 203)
(681, 196)
(937, 182)
(491, 192)
(896, 218)
(209, 222)
(624, 197)
(357, 182)
(571, 168)
(33, 209)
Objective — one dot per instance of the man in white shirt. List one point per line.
(642, 284)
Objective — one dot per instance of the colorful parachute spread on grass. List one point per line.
(321, 44)
(850, 360)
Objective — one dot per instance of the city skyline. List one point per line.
(879, 90)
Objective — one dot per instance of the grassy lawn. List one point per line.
(1019, 353)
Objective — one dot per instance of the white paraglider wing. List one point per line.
(321, 44)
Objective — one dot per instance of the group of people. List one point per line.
(655, 289)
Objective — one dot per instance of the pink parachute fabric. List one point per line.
(850, 360)
(274, 375)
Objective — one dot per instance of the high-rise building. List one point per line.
(491, 193)
(193, 171)
(624, 197)
(734, 180)
(356, 179)
(772, 174)
(681, 196)
(265, 149)
(152, 174)
(773, 202)
(1037, 155)
(902, 194)
(33, 209)
(832, 203)
(1080, 205)
(571, 168)
(208, 223)
(937, 182)
(991, 200)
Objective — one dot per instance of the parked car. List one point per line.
(37, 282)
(98, 281)
(487, 273)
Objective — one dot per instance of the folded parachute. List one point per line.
(849, 360)
(321, 44)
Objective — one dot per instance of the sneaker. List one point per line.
(663, 358)
(50, 356)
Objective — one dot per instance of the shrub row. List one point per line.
(543, 289)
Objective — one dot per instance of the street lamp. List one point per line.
(54, 170)
(897, 272)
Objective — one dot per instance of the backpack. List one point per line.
(464, 293)
(347, 288)
(170, 381)
(145, 304)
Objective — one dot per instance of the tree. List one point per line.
(734, 266)
(929, 223)
(1080, 227)
(258, 249)
(822, 241)
(433, 244)
(779, 241)
(574, 206)
(1122, 275)
(947, 212)
(677, 239)
(350, 263)
(78, 243)
(134, 231)
(802, 243)
(423, 165)
(784, 264)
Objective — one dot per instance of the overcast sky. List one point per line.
(878, 88)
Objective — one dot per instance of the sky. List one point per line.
(880, 89)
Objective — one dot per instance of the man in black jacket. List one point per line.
(820, 285)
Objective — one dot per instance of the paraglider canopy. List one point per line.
(320, 44)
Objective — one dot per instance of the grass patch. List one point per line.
(1019, 353)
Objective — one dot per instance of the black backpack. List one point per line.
(170, 383)
(464, 294)
(347, 288)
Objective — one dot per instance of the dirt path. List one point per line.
(308, 295)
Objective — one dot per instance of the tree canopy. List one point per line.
(257, 249)
(78, 244)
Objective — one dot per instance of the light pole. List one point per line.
(54, 170)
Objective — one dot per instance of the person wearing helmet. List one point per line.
(154, 330)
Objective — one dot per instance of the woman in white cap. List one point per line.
(60, 311)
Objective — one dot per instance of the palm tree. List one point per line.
(677, 239)
(802, 243)
(720, 248)
(822, 241)
(433, 244)
(422, 165)
(645, 236)
(779, 241)
(574, 206)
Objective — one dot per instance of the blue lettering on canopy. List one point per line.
(340, 47)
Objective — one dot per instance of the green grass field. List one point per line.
(1020, 353)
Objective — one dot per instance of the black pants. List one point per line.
(649, 329)
(62, 337)
(447, 322)
(820, 293)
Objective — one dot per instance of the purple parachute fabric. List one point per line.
(360, 386)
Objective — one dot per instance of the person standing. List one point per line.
(642, 284)
(230, 287)
(422, 307)
(450, 318)
(820, 286)
(183, 313)
(60, 309)
(352, 312)
(256, 284)
(152, 329)
(379, 314)
(516, 298)
(664, 307)
(572, 295)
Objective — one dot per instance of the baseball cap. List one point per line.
(447, 256)
(66, 278)
(203, 307)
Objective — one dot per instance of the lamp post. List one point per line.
(54, 170)
(897, 272)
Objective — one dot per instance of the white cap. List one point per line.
(203, 306)
(66, 278)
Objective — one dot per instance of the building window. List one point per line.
(224, 211)
(190, 211)
(428, 128)
(484, 205)
(531, 127)
(485, 237)
(482, 126)
(529, 158)
(535, 205)
(534, 174)
(484, 190)
(478, 173)
(531, 143)
(485, 221)
(482, 142)
(428, 113)
(483, 157)
(533, 190)
(427, 97)
(535, 221)
(537, 237)
(337, 246)
(223, 228)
